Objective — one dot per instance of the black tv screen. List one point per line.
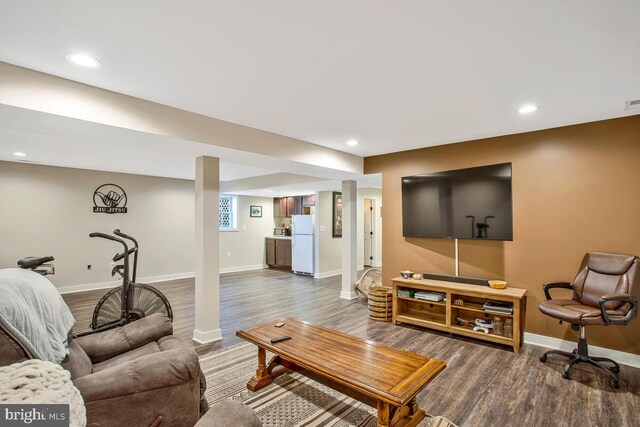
(472, 203)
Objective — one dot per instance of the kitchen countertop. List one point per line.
(279, 237)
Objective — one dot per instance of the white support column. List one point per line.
(349, 239)
(207, 298)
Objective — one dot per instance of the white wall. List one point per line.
(328, 249)
(244, 249)
(376, 194)
(47, 210)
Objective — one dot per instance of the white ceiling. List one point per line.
(394, 75)
(62, 141)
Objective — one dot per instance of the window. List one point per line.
(228, 213)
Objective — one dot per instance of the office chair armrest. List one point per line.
(550, 285)
(623, 298)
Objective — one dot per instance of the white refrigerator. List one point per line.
(302, 253)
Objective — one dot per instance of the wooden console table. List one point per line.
(442, 315)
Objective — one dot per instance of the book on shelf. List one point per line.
(430, 296)
(498, 307)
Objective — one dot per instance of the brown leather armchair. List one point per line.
(605, 292)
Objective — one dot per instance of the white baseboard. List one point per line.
(207, 337)
(114, 283)
(329, 273)
(152, 279)
(348, 295)
(621, 357)
(243, 268)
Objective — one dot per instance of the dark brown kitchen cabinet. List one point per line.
(283, 253)
(284, 209)
(288, 206)
(278, 253)
(294, 205)
(270, 250)
(280, 207)
(309, 200)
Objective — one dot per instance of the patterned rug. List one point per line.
(291, 400)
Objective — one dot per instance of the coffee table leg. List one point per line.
(406, 416)
(264, 374)
(383, 414)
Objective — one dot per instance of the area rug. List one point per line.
(291, 400)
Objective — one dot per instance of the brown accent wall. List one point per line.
(575, 189)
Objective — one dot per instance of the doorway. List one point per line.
(369, 226)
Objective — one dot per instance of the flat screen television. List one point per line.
(472, 203)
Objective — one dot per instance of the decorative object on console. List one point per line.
(459, 302)
(407, 274)
(498, 325)
(416, 276)
(508, 327)
(497, 284)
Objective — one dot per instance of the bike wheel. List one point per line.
(108, 309)
(146, 300)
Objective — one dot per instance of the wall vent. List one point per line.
(632, 105)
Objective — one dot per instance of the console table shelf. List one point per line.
(442, 315)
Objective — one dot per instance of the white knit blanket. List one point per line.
(41, 382)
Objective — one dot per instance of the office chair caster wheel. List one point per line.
(615, 384)
(543, 358)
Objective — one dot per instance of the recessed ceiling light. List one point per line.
(526, 109)
(352, 142)
(83, 60)
(20, 154)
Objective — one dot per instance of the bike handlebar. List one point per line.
(118, 257)
(125, 277)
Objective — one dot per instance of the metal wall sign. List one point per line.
(109, 199)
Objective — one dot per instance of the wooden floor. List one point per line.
(483, 385)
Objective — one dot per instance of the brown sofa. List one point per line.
(130, 375)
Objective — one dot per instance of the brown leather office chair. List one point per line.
(605, 292)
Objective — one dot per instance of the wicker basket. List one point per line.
(380, 302)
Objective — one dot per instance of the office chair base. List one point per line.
(581, 355)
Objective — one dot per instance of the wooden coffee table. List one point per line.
(384, 377)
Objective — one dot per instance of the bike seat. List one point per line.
(31, 262)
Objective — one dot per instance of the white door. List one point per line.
(369, 209)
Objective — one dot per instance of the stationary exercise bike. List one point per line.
(131, 301)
